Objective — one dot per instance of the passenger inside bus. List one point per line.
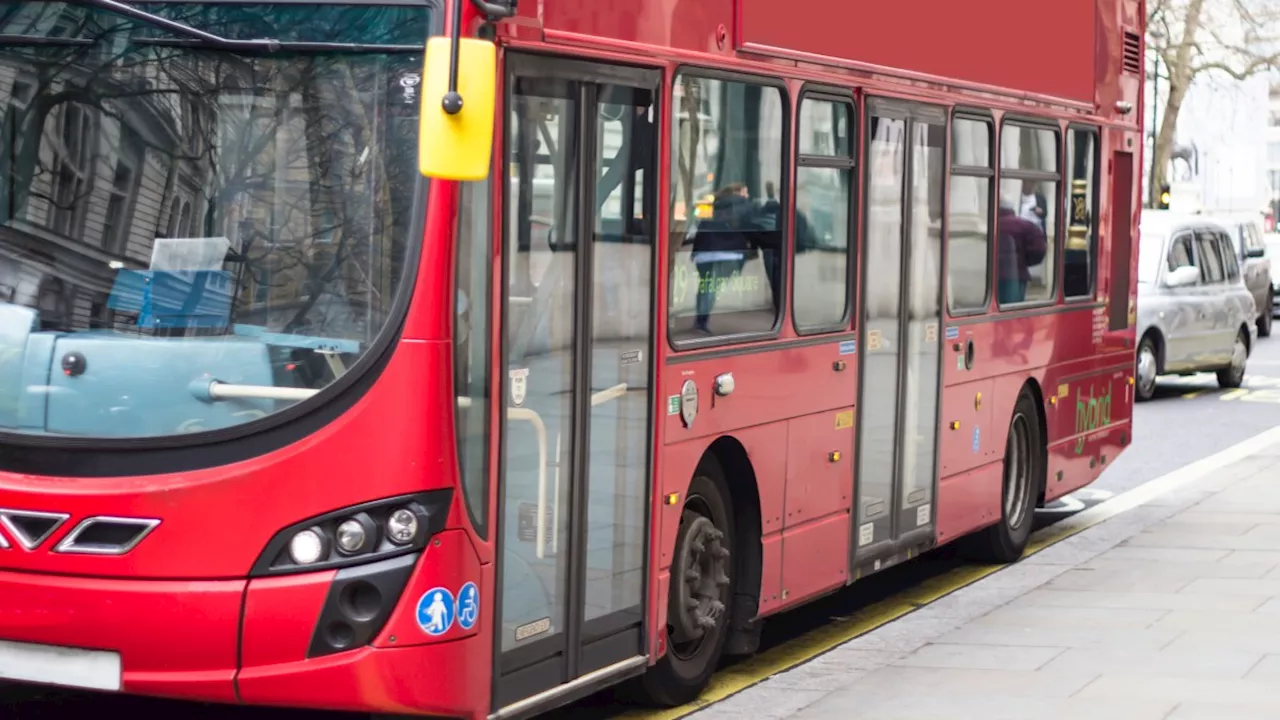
(1022, 245)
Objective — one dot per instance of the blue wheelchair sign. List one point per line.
(468, 606)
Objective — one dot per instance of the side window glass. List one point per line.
(1211, 259)
(471, 347)
(824, 180)
(969, 216)
(1180, 254)
(1027, 221)
(726, 230)
(1230, 265)
(1080, 249)
(1254, 236)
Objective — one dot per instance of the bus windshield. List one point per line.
(195, 234)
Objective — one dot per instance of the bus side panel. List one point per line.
(967, 431)
(969, 501)
(1090, 413)
(768, 386)
(683, 24)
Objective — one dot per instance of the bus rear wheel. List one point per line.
(1005, 541)
(702, 584)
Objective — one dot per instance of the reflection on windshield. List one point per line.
(192, 238)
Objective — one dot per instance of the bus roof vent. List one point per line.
(1132, 53)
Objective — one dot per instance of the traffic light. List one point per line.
(1162, 202)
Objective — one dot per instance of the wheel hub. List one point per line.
(703, 562)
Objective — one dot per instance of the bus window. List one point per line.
(823, 200)
(471, 347)
(1082, 235)
(726, 181)
(969, 217)
(1027, 221)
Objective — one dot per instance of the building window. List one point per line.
(824, 179)
(1080, 250)
(73, 153)
(1027, 220)
(969, 216)
(726, 230)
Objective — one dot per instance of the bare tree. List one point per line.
(1194, 38)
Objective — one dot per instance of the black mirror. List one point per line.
(1255, 252)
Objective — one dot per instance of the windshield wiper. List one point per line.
(195, 36)
(43, 40)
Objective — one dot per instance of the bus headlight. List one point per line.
(402, 526)
(308, 546)
(356, 535)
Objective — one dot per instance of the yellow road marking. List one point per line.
(760, 667)
(1234, 394)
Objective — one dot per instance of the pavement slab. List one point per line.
(1169, 610)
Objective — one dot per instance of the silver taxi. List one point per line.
(1194, 312)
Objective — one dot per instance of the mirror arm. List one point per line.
(452, 101)
(496, 10)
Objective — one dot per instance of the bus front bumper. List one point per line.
(225, 641)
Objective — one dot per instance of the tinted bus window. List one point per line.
(1027, 220)
(1080, 250)
(726, 185)
(824, 181)
(969, 216)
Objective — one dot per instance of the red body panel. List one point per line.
(176, 638)
(883, 35)
(792, 414)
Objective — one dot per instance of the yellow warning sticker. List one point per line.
(844, 419)
(931, 332)
(1063, 390)
(873, 340)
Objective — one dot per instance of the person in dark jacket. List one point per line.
(720, 247)
(1021, 245)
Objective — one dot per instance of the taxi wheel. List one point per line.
(1264, 320)
(1005, 541)
(702, 584)
(1232, 376)
(1146, 371)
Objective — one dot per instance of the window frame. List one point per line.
(1034, 123)
(848, 162)
(1095, 225)
(989, 172)
(665, 189)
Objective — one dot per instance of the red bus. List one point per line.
(340, 370)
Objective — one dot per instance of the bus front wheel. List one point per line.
(700, 595)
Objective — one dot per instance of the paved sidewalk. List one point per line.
(1168, 611)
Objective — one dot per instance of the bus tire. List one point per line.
(700, 595)
(1023, 477)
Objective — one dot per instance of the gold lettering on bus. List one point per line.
(1092, 413)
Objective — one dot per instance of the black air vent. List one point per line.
(30, 528)
(106, 536)
(1132, 53)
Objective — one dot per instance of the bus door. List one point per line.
(899, 331)
(580, 221)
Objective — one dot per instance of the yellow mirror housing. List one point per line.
(458, 146)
